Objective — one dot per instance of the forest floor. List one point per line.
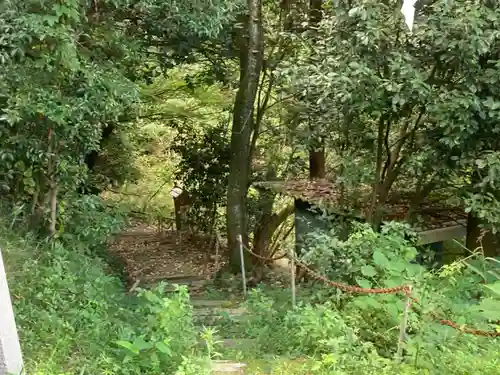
(150, 255)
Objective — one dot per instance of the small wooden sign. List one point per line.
(176, 192)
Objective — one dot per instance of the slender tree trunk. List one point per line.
(51, 196)
(251, 55)
(317, 164)
(53, 209)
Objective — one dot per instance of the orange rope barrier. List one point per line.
(405, 289)
(265, 259)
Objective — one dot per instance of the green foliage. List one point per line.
(67, 309)
(164, 332)
(87, 222)
(75, 318)
(421, 106)
(69, 69)
(358, 333)
(336, 338)
(72, 316)
(116, 162)
(181, 131)
(203, 170)
(368, 258)
(61, 83)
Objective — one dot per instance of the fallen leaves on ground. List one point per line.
(151, 255)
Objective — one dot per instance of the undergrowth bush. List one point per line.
(164, 332)
(74, 318)
(87, 222)
(358, 334)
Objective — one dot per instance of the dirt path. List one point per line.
(150, 256)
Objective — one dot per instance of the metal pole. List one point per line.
(242, 258)
(402, 328)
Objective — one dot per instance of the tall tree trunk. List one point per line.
(251, 55)
(317, 163)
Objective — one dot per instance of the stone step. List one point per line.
(192, 283)
(238, 343)
(234, 343)
(233, 329)
(231, 312)
(172, 280)
(228, 368)
(205, 316)
(204, 303)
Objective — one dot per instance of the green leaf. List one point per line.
(495, 288)
(475, 270)
(363, 283)
(368, 271)
(489, 308)
(398, 266)
(162, 347)
(392, 282)
(380, 259)
(140, 344)
(393, 310)
(128, 345)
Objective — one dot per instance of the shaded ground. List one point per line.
(150, 255)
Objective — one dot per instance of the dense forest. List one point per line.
(141, 140)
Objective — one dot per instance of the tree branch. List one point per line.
(387, 148)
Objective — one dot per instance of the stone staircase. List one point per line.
(210, 313)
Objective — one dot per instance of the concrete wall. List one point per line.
(11, 361)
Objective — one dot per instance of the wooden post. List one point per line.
(242, 258)
(11, 361)
(402, 327)
(292, 274)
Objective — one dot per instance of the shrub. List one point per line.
(73, 318)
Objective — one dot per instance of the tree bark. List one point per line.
(317, 163)
(251, 55)
(265, 232)
(53, 209)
